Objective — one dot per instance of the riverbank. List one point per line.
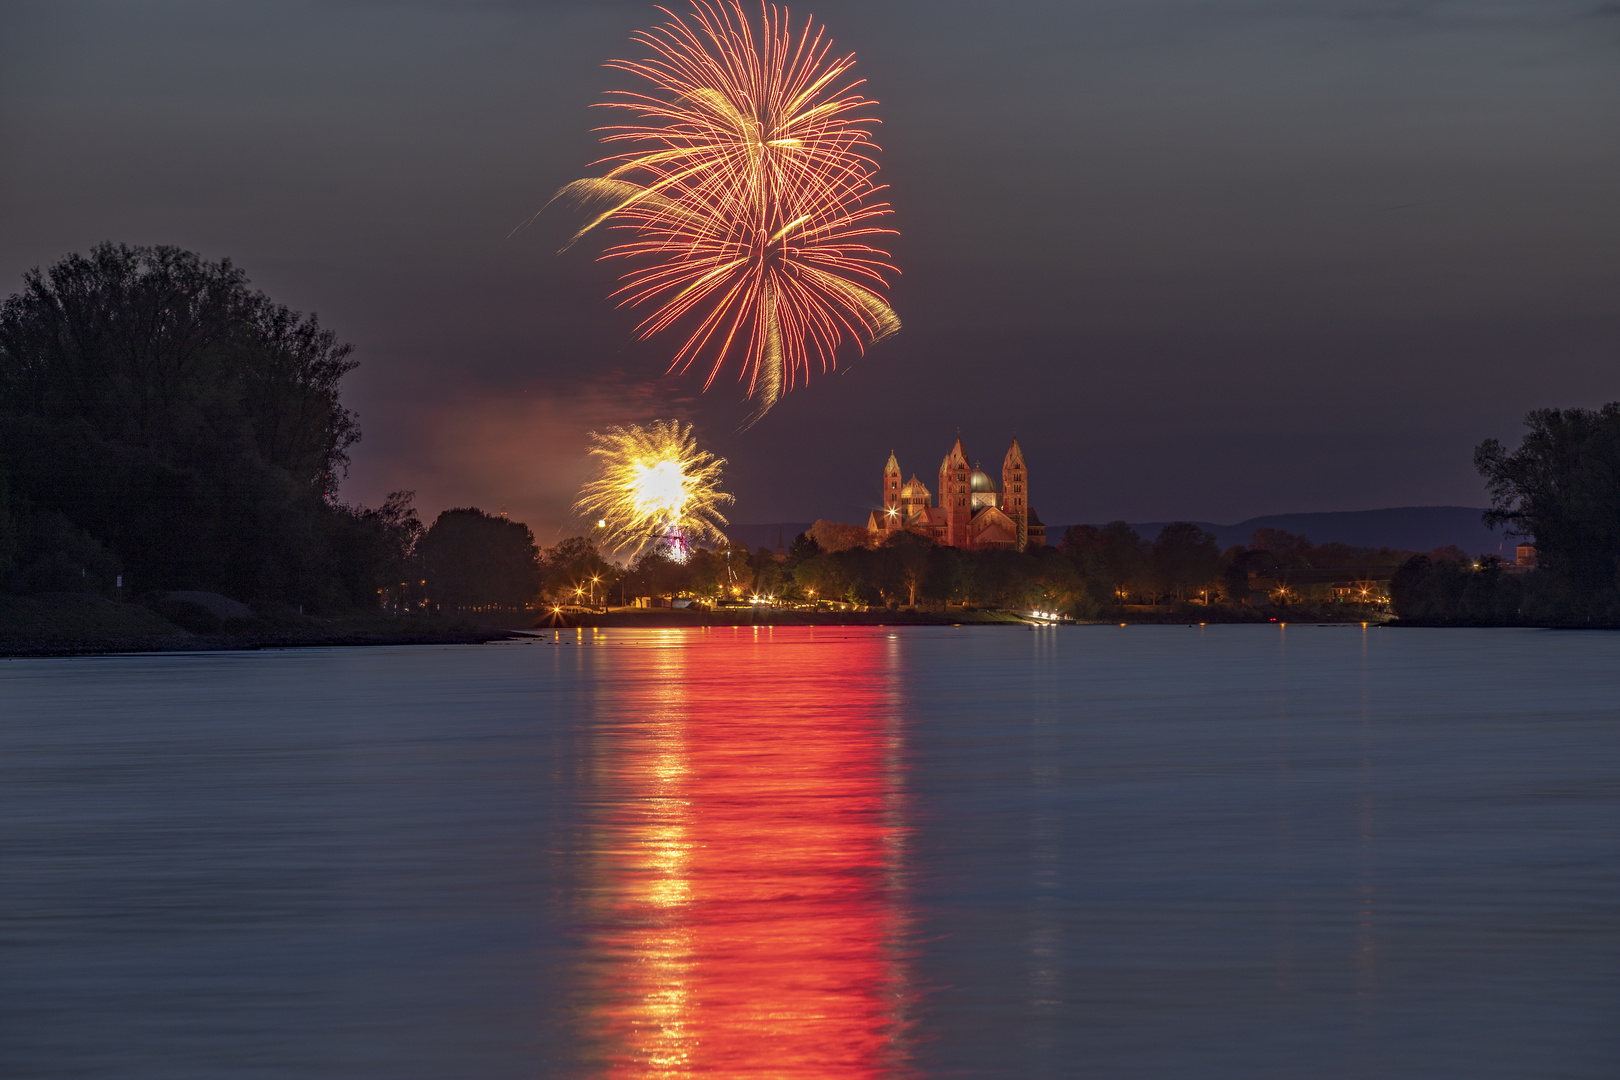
(86, 624)
(1170, 615)
(1167, 614)
(663, 618)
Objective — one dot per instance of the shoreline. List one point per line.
(38, 628)
(664, 618)
(668, 618)
(15, 649)
(94, 626)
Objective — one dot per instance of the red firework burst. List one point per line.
(749, 185)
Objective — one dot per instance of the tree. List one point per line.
(1111, 561)
(656, 573)
(573, 564)
(908, 554)
(821, 577)
(8, 526)
(836, 536)
(1290, 549)
(1561, 488)
(396, 519)
(804, 546)
(375, 552)
(1058, 584)
(1235, 575)
(872, 575)
(1123, 559)
(474, 559)
(1184, 559)
(706, 573)
(1080, 541)
(189, 424)
(949, 578)
(153, 347)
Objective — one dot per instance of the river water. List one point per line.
(1246, 851)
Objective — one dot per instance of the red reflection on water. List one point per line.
(747, 882)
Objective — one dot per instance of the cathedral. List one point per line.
(972, 513)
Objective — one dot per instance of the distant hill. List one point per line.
(1412, 528)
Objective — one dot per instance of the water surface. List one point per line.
(1074, 851)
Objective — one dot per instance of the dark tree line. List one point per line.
(1094, 571)
(1459, 592)
(164, 423)
(161, 420)
(1560, 489)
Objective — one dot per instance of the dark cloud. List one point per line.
(1209, 259)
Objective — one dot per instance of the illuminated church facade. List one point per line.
(973, 513)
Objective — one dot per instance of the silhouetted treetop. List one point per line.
(804, 547)
(1561, 488)
(1184, 559)
(154, 347)
(474, 559)
(192, 428)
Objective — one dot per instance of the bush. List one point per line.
(190, 616)
(55, 556)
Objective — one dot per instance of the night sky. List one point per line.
(1210, 260)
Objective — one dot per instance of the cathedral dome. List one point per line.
(984, 491)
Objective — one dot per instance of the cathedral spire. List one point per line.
(891, 492)
(1015, 492)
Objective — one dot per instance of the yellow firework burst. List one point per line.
(653, 484)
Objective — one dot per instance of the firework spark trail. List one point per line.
(651, 483)
(749, 187)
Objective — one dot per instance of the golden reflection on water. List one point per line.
(747, 900)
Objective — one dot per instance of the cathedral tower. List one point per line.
(953, 495)
(891, 493)
(1015, 492)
